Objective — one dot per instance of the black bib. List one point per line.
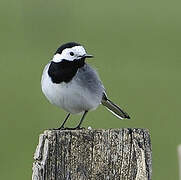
(65, 70)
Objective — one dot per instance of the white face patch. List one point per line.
(70, 54)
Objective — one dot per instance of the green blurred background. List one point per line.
(137, 49)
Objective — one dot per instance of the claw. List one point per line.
(57, 129)
(76, 128)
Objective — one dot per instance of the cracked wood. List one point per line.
(120, 154)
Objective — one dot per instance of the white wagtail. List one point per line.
(71, 84)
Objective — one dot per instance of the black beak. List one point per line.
(87, 56)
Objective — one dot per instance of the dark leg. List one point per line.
(62, 125)
(78, 127)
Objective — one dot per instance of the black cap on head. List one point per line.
(67, 45)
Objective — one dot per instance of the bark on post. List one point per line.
(120, 154)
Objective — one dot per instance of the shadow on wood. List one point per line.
(93, 155)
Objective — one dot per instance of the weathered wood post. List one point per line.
(179, 160)
(120, 154)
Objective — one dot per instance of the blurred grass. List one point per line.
(137, 53)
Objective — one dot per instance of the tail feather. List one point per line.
(116, 110)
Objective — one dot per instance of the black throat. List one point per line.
(65, 70)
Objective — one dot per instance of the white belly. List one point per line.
(69, 96)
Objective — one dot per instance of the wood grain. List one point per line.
(93, 155)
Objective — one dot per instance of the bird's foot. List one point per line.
(57, 129)
(67, 128)
(76, 128)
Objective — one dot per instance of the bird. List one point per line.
(70, 83)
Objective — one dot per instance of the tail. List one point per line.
(116, 110)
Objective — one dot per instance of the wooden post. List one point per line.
(179, 160)
(113, 154)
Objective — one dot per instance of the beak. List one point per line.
(87, 56)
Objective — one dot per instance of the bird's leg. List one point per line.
(78, 126)
(62, 125)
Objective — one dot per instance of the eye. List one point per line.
(71, 53)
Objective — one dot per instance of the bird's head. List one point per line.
(70, 52)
